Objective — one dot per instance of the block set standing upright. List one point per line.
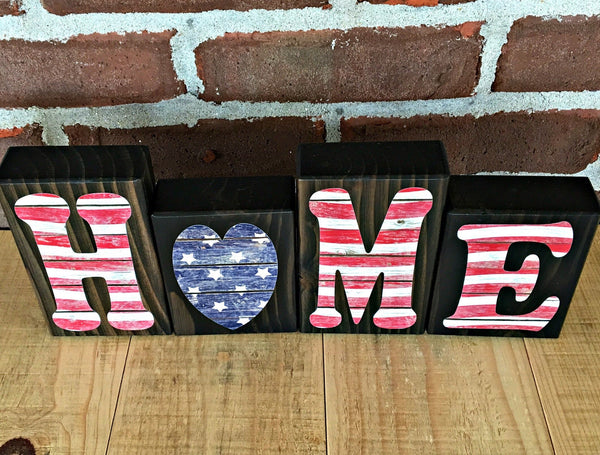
(370, 238)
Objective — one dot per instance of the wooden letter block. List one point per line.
(369, 221)
(80, 218)
(511, 255)
(227, 253)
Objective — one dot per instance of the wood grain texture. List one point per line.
(550, 220)
(431, 394)
(71, 172)
(566, 369)
(353, 201)
(60, 393)
(248, 394)
(209, 210)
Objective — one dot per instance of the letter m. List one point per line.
(341, 249)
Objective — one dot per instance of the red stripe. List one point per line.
(383, 238)
(108, 215)
(489, 311)
(476, 271)
(361, 284)
(74, 325)
(386, 302)
(367, 261)
(494, 288)
(100, 196)
(500, 326)
(400, 322)
(325, 322)
(43, 213)
(92, 266)
(102, 241)
(345, 210)
(145, 321)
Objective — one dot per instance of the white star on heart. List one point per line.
(263, 272)
(243, 321)
(261, 238)
(240, 289)
(237, 257)
(192, 290)
(263, 303)
(188, 258)
(215, 274)
(210, 242)
(219, 306)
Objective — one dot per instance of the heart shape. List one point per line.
(231, 280)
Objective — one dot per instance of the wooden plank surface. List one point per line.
(431, 394)
(238, 394)
(567, 369)
(59, 393)
(265, 393)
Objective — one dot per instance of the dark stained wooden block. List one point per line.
(79, 216)
(511, 254)
(369, 219)
(226, 247)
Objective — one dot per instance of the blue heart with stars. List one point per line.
(228, 280)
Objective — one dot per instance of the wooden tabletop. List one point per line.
(297, 393)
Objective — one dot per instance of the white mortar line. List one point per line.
(39, 25)
(495, 36)
(187, 109)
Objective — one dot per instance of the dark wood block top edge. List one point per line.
(225, 194)
(371, 158)
(57, 163)
(521, 194)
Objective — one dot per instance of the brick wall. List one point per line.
(231, 87)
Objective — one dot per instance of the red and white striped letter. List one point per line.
(341, 248)
(106, 213)
(488, 246)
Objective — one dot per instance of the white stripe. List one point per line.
(60, 228)
(68, 253)
(345, 271)
(80, 295)
(35, 200)
(402, 195)
(491, 256)
(397, 224)
(420, 195)
(109, 229)
(324, 195)
(77, 315)
(408, 248)
(394, 313)
(47, 227)
(329, 291)
(492, 300)
(80, 274)
(498, 232)
(103, 204)
(326, 311)
(129, 316)
(505, 279)
(462, 323)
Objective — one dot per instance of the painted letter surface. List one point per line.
(107, 214)
(485, 276)
(341, 249)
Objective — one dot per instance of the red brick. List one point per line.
(548, 55)
(332, 65)
(89, 70)
(214, 148)
(555, 142)
(28, 135)
(174, 6)
(10, 7)
(416, 2)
